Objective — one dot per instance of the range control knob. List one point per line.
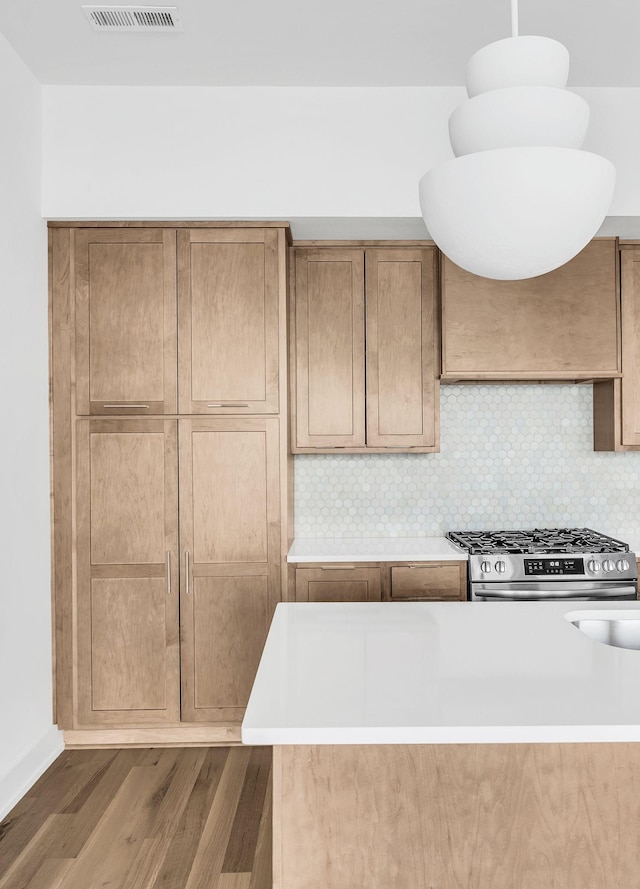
(593, 566)
(501, 566)
(608, 565)
(485, 567)
(623, 565)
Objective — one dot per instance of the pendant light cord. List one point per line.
(514, 18)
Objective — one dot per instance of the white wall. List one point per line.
(28, 741)
(273, 152)
(240, 152)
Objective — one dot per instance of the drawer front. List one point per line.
(333, 584)
(445, 581)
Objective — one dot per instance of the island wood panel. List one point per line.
(125, 317)
(336, 583)
(228, 285)
(562, 325)
(230, 541)
(127, 567)
(456, 817)
(402, 355)
(329, 349)
(438, 581)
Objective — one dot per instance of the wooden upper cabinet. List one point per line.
(127, 571)
(125, 311)
(616, 403)
(329, 349)
(562, 325)
(402, 359)
(345, 297)
(228, 285)
(230, 540)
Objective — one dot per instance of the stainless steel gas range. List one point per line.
(557, 563)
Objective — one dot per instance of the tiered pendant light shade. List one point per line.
(520, 198)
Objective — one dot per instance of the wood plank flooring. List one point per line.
(172, 818)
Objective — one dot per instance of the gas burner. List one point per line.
(548, 541)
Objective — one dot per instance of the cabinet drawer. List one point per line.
(335, 584)
(438, 581)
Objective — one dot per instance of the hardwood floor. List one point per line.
(178, 818)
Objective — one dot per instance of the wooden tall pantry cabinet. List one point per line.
(170, 473)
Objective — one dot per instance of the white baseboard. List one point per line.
(26, 772)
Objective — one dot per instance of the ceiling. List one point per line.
(318, 42)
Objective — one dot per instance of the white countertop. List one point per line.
(441, 673)
(375, 549)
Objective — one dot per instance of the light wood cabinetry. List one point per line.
(127, 588)
(561, 326)
(344, 297)
(125, 321)
(329, 349)
(371, 582)
(616, 403)
(227, 302)
(338, 583)
(228, 285)
(170, 531)
(230, 538)
(437, 581)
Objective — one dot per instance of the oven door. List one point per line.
(532, 591)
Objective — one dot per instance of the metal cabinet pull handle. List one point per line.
(168, 572)
(336, 567)
(186, 569)
(129, 406)
(229, 404)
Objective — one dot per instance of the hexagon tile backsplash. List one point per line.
(512, 456)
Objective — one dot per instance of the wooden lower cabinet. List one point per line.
(338, 584)
(437, 581)
(127, 577)
(367, 582)
(230, 540)
(138, 664)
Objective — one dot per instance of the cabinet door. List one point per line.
(402, 349)
(439, 581)
(126, 346)
(630, 385)
(563, 325)
(230, 539)
(329, 349)
(337, 584)
(228, 284)
(127, 587)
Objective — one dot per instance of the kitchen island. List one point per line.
(449, 746)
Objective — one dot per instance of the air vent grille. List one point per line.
(133, 18)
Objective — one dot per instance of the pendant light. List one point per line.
(520, 198)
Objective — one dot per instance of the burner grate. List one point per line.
(537, 540)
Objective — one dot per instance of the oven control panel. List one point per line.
(553, 566)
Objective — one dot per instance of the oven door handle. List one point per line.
(534, 595)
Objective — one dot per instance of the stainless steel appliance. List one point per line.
(577, 564)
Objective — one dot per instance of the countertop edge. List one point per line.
(374, 549)
(524, 734)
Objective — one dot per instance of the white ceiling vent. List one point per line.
(133, 18)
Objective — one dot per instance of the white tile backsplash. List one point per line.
(512, 456)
